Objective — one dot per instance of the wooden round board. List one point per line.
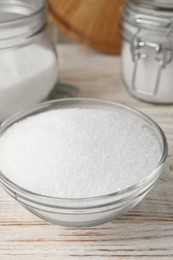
(95, 23)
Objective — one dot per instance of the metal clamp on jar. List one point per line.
(147, 50)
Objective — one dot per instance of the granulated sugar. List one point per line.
(77, 153)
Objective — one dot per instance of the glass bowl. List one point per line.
(86, 211)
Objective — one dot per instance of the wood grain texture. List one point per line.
(93, 22)
(146, 232)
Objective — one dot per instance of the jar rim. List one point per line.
(25, 9)
(155, 4)
(21, 19)
(141, 17)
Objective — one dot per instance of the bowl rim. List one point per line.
(34, 108)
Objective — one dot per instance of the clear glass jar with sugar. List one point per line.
(28, 61)
(147, 49)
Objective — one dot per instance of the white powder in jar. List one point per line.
(27, 75)
(78, 152)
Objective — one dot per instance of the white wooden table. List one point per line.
(146, 232)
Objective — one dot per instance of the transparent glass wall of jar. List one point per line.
(28, 61)
(147, 50)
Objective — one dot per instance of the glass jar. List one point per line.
(28, 61)
(147, 49)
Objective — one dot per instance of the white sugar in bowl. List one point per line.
(75, 185)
